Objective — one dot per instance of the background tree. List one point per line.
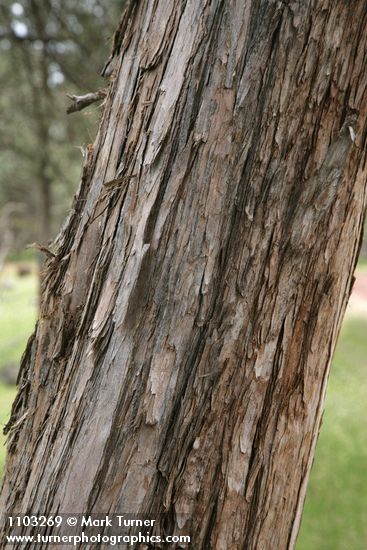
(48, 48)
(191, 311)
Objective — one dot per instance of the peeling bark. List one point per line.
(190, 314)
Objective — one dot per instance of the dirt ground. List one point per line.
(358, 300)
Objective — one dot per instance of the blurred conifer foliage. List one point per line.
(47, 48)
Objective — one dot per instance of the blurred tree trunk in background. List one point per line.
(6, 229)
(190, 314)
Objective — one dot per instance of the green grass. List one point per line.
(18, 306)
(335, 514)
(362, 265)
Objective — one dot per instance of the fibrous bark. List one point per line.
(191, 312)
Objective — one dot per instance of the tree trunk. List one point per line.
(190, 315)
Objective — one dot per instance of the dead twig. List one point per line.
(82, 101)
(43, 249)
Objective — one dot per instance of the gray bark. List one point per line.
(190, 315)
